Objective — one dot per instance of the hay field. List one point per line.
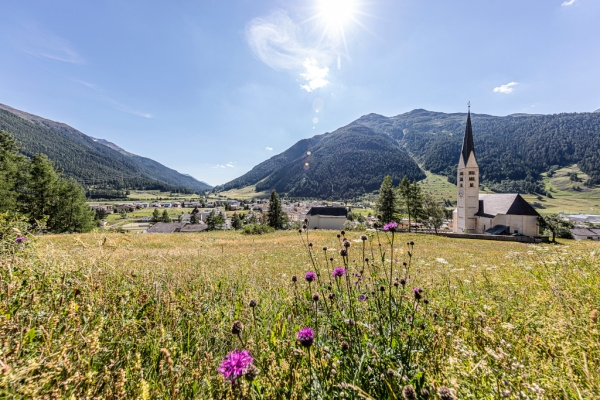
(150, 316)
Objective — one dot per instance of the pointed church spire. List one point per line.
(468, 146)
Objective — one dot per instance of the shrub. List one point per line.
(257, 229)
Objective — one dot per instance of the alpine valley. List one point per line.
(100, 166)
(513, 152)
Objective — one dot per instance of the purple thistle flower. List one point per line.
(417, 293)
(338, 272)
(362, 297)
(306, 337)
(235, 364)
(310, 276)
(390, 226)
(21, 239)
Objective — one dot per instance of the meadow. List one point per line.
(119, 316)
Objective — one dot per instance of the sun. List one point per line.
(335, 14)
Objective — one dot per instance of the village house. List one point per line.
(327, 217)
(494, 214)
(586, 234)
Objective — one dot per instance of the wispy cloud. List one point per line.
(229, 165)
(118, 105)
(269, 148)
(568, 3)
(277, 41)
(87, 84)
(44, 44)
(508, 88)
(131, 111)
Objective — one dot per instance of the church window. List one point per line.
(471, 172)
(461, 185)
(470, 185)
(460, 173)
(461, 179)
(471, 178)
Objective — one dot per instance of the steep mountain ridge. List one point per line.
(89, 160)
(512, 151)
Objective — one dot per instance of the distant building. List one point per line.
(586, 234)
(327, 217)
(166, 227)
(495, 214)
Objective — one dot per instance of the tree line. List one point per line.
(407, 199)
(33, 188)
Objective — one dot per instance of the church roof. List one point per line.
(468, 145)
(491, 205)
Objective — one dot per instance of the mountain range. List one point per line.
(95, 163)
(512, 152)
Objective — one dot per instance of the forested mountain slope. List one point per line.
(91, 161)
(512, 152)
(346, 163)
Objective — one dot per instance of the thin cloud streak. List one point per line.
(119, 106)
(44, 44)
(269, 148)
(568, 3)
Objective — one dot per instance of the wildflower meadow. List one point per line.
(297, 315)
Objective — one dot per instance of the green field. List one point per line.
(149, 316)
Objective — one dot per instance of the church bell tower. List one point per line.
(467, 184)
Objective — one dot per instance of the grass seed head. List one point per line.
(445, 393)
(409, 393)
(237, 327)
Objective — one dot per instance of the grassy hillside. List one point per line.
(568, 196)
(150, 316)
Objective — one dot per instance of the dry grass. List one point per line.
(88, 315)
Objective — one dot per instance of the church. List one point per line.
(492, 214)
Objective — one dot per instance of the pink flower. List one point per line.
(235, 364)
(390, 226)
(20, 239)
(306, 336)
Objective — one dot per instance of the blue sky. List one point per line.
(212, 88)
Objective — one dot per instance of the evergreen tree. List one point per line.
(236, 222)
(155, 215)
(165, 217)
(412, 199)
(13, 167)
(433, 212)
(210, 221)
(42, 185)
(70, 212)
(387, 200)
(275, 213)
(194, 218)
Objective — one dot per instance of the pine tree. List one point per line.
(42, 185)
(412, 199)
(165, 216)
(70, 212)
(236, 222)
(387, 201)
(433, 212)
(275, 213)
(155, 216)
(13, 168)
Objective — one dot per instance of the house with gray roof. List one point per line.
(586, 234)
(327, 217)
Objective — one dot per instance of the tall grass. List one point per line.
(151, 316)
